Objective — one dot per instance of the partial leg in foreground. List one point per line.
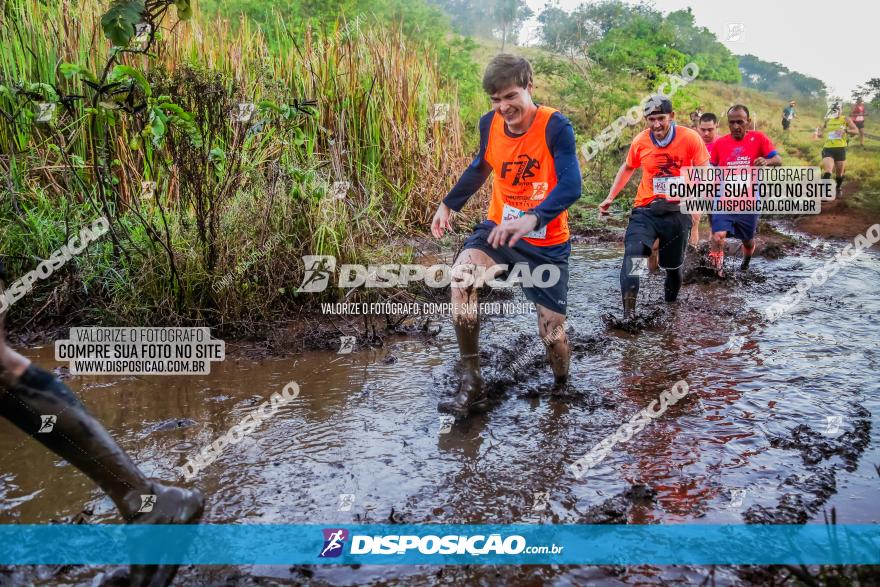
(28, 392)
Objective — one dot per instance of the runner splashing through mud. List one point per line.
(741, 148)
(531, 150)
(43, 407)
(661, 150)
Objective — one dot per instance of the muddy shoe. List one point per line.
(165, 505)
(560, 386)
(470, 396)
(745, 264)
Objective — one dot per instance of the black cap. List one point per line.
(658, 105)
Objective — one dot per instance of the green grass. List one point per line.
(223, 197)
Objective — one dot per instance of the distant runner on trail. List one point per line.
(741, 148)
(695, 116)
(788, 115)
(839, 128)
(44, 408)
(531, 150)
(858, 117)
(661, 150)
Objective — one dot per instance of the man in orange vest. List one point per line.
(531, 150)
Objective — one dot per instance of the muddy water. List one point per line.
(779, 430)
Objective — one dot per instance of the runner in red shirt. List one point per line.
(741, 148)
(858, 117)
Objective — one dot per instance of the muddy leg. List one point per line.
(468, 274)
(654, 259)
(716, 251)
(551, 328)
(748, 251)
(27, 393)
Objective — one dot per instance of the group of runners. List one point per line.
(527, 145)
(531, 150)
(837, 128)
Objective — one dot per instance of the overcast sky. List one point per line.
(837, 41)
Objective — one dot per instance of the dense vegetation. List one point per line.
(211, 206)
(340, 155)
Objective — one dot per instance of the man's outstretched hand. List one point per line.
(605, 206)
(512, 230)
(442, 220)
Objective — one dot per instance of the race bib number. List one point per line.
(661, 185)
(835, 135)
(511, 213)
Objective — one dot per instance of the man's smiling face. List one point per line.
(514, 104)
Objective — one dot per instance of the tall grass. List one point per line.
(226, 196)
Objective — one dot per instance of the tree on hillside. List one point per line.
(509, 17)
(775, 77)
(501, 19)
(636, 38)
(869, 91)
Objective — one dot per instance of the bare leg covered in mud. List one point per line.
(551, 328)
(28, 394)
(467, 277)
(716, 251)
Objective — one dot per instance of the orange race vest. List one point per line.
(524, 175)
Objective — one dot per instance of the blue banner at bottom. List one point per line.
(439, 544)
